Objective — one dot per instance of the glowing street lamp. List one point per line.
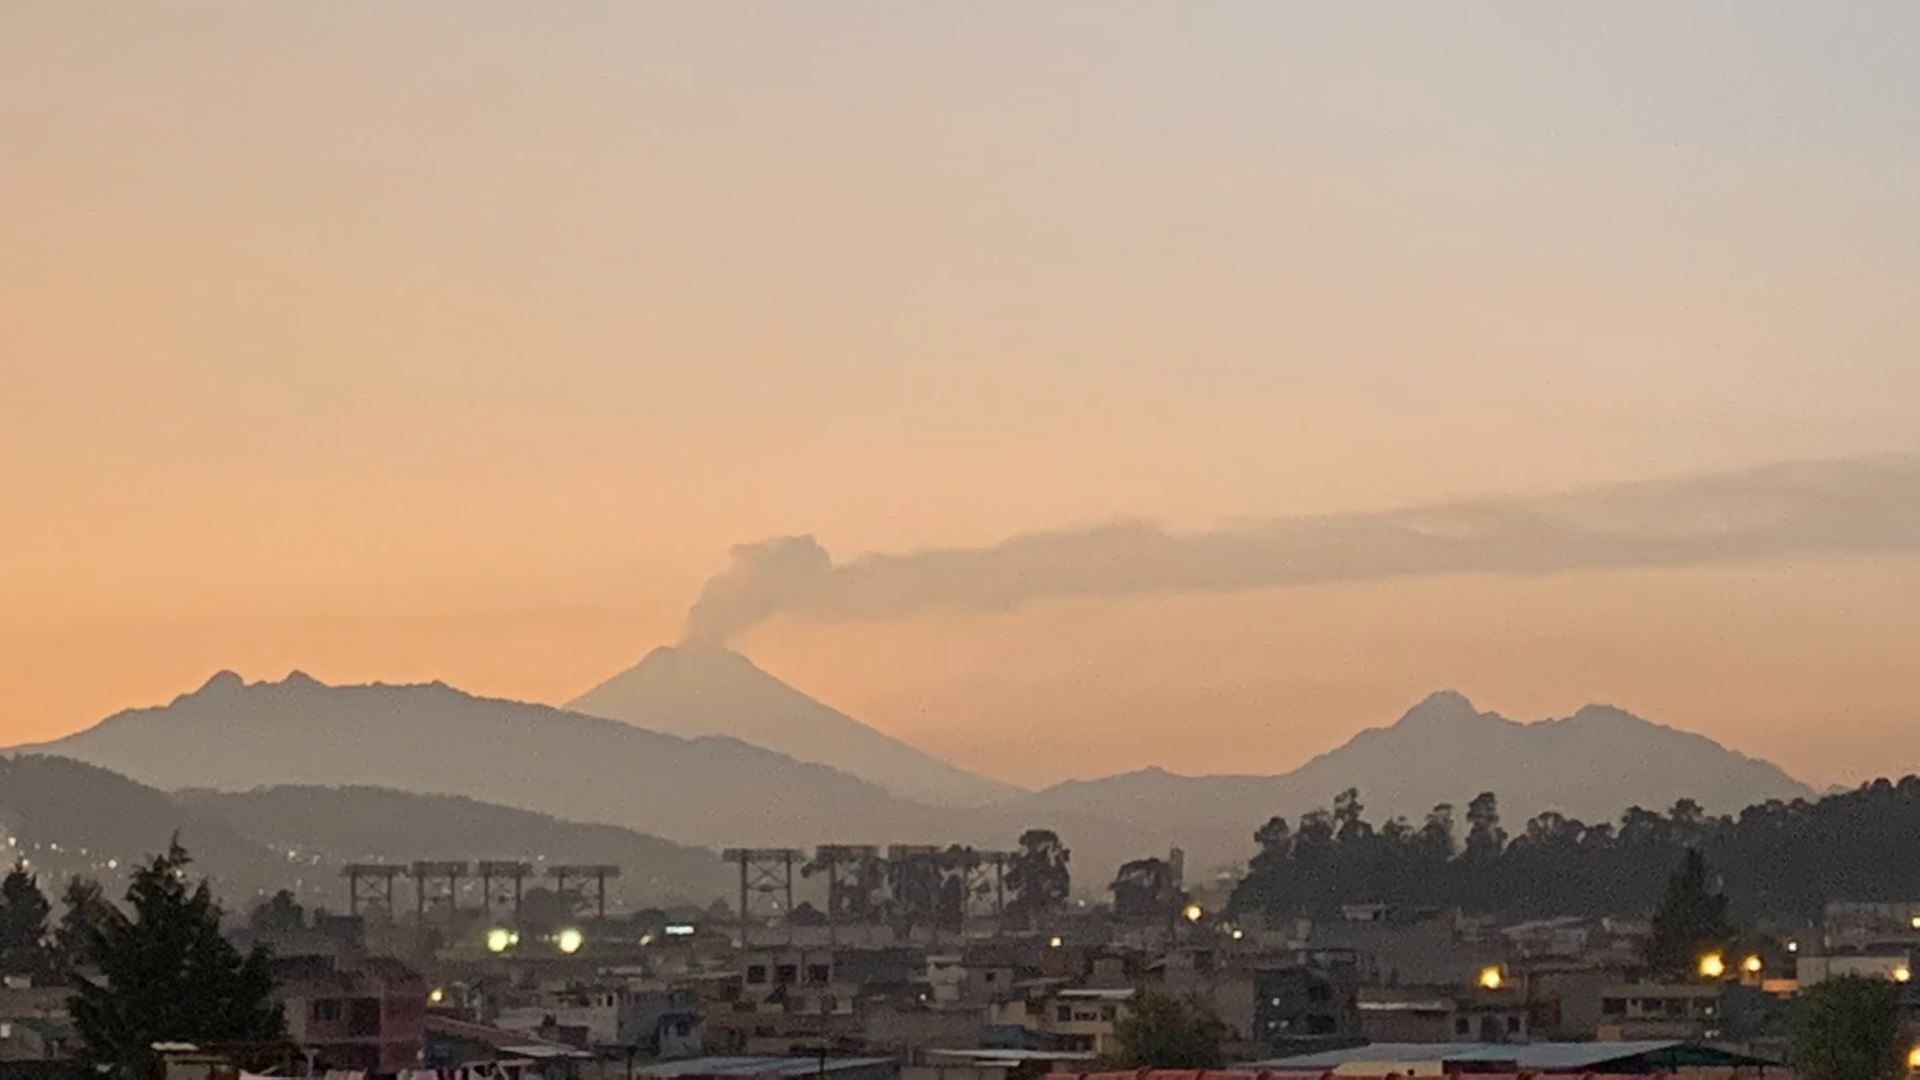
(1713, 966)
(1752, 965)
(436, 995)
(1055, 942)
(498, 939)
(1192, 913)
(1913, 1059)
(569, 940)
(1490, 978)
(1902, 973)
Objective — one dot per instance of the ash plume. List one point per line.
(1803, 509)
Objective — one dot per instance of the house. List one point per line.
(506, 1055)
(1659, 1011)
(1442, 1014)
(1076, 1019)
(368, 1015)
(1297, 1004)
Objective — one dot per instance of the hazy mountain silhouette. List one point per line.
(432, 739)
(367, 824)
(69, 817)
(713, 791)
(1591, 765)
(700, 690)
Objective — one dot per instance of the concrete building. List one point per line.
(1659, 1011)
(368, 1016)
(1442, 1014)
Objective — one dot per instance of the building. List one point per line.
(1439, 1014)
(1882, 963)
(369, 1016)
(1072, 1019)
(1659, 1011)
(1299, 1006)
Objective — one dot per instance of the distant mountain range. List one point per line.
(1591, 765)
(691, 690)
(367, 824)
(69, 817)
(720, 790)
(231, 735)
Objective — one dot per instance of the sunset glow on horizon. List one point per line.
(461, 342)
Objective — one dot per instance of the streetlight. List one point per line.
(1055, 942)
(1752, 965)
(436, 995)
(1713, 966)
(498, 939)
(1490, 977)
(1902, 973)
(1192, 913)
(569, 940)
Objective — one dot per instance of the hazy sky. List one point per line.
(463, 340)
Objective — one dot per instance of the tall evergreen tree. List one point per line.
(1692, 919)
(23, 923)
(166, 975)
(88, 911)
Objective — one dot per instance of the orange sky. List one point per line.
(461, 341)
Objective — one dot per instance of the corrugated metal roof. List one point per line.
(1554, 1056)
(758, 1066)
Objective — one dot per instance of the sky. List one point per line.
(465, 340)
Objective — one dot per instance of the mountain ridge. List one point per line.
(691, 691)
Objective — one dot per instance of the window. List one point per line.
(1614, 1006)
(1461, 1026)
(1064, 1014)
(819, 973)
(785, 974)
(1513, 1025)
(756, 973)
(1108, 1013)
(363, 1016)
(326, 1010)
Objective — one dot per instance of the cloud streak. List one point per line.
(1804, 509)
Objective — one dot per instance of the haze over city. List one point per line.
(454, 342)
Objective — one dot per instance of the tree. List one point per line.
(1848, 1029)
(1485, 838)
(1144, 889)
(1159, 1030)
(280, 913)
(1692, 919)
(23, 923)
(167, 975)
(88, 912)
(1038, 876)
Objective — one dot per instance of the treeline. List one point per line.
(1781, 860)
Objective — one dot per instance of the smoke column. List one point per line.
(1808, 509)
